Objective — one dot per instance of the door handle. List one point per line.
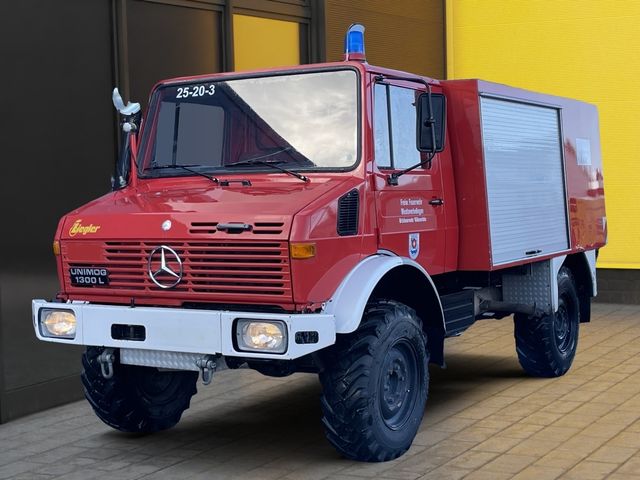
(436, 202)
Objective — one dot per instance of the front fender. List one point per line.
(350, 299)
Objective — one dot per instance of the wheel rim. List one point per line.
(563, 328)
(399, 382)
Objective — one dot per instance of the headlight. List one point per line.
(57, 323)
(261, 335)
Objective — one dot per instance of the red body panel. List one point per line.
(120, 229)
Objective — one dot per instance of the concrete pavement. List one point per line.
(484, 420)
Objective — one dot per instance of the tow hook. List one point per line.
(106, 359)
(207, 366)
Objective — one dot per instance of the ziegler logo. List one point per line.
(78, 228)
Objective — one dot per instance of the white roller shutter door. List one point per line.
(525, 179)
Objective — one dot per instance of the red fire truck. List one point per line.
(340, 219)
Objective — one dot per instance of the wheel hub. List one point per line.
(563, 328)
(398, 382)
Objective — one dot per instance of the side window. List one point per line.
(403, 127)
(394, 127)
(381, 127)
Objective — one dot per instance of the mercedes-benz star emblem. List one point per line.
(165, 267)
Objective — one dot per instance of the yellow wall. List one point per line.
(585, 49)
(263, 42)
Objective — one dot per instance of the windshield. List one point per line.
(304, 121)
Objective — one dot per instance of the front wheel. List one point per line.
(136, 399)
(375, 384)
(547, 345)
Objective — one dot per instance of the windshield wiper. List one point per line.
(252, 160)
(269, 163)
(188, 169)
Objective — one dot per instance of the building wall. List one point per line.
(586, 50)
(58, 147)
(403, 34)
(282, 49)
(163, 41)
(59, 132)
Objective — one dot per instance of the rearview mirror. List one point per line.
(431, 120)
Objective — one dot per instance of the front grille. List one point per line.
(216, 270)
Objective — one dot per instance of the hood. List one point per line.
(180, 208)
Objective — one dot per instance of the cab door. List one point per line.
(410, 215)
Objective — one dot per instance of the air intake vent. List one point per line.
(267, 228)
(348, 206)
(203, 228)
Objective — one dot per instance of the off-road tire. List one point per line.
(136, 399)
(547, 345)
(274, 368)
(375, 384)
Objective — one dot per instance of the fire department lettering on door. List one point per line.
(414, 209)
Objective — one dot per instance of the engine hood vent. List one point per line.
(203, 228)
(258, 228)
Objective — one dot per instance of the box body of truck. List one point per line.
(528, 174)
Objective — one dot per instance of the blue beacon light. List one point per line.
(354, 43)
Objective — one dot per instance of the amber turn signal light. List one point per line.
(56, 247)
(303, 250)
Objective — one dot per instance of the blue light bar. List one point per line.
(354, 42)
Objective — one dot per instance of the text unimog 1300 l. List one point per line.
(338, 218)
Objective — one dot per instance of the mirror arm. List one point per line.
(133, 145)
(131, 120)
(432, 122)
(407, 78)
(392, 179)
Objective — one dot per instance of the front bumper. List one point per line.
(188, 331)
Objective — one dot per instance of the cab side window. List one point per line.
(395, 127)
(381, 127)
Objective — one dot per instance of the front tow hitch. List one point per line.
(207, 365)
(106, 360)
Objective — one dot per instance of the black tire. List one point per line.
(136, 399)
(274, 368)
(547, 345)
(375, 384)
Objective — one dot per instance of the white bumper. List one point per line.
(184, 330)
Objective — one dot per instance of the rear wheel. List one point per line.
(375, 384)
(136, 399)
(547, 345)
